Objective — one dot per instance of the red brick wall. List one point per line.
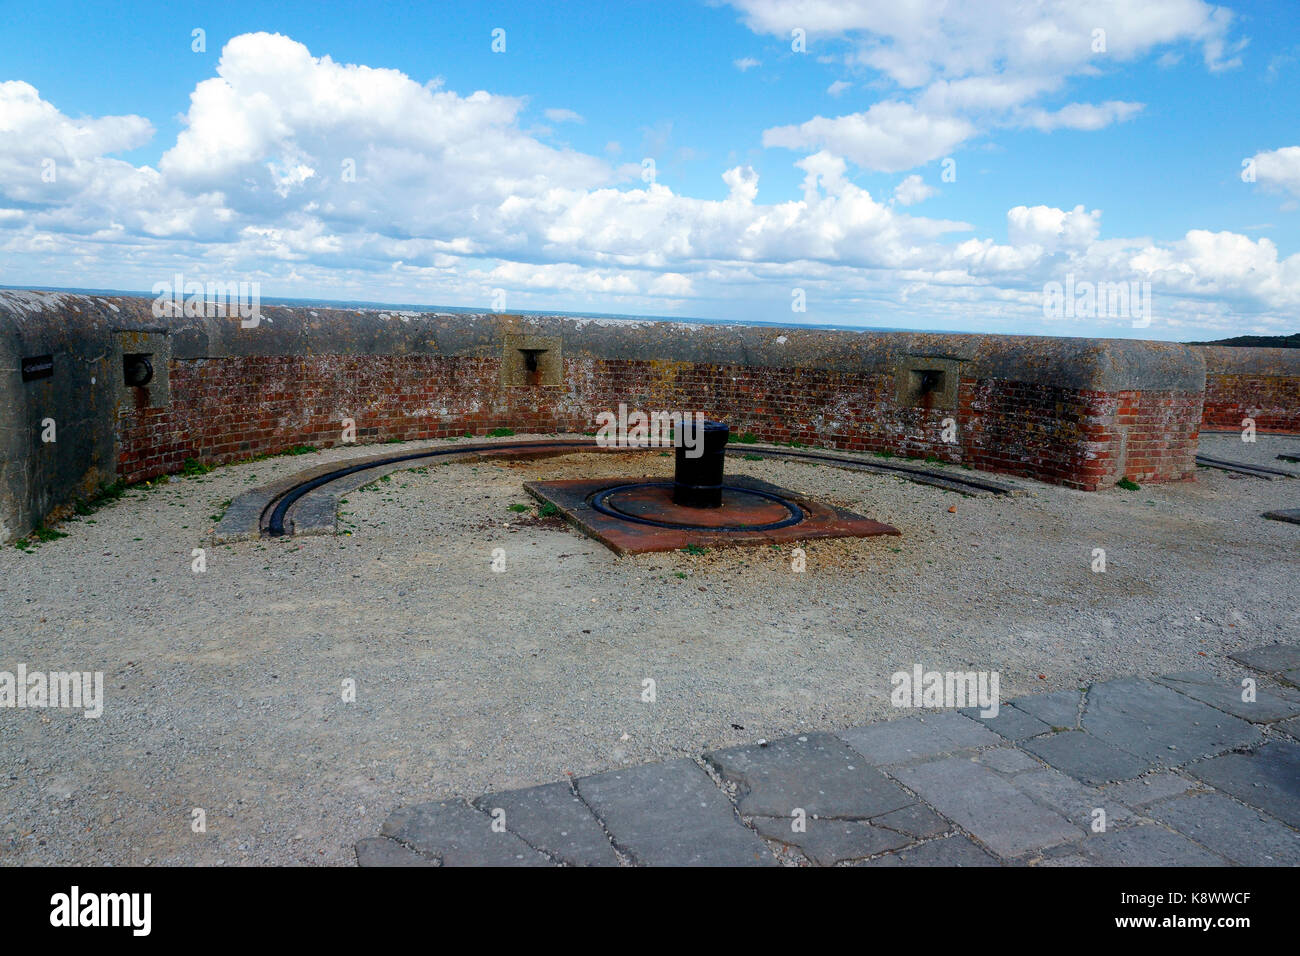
(1161, 432)
(227, 409)
(1272, 400)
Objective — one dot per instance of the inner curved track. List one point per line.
(279, 507)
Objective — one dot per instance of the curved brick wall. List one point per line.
(1078, 412)
(1263, 384)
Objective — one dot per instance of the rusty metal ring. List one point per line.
(599, 498)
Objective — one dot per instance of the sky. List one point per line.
(925, 164)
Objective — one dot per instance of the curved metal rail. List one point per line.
(278, 507)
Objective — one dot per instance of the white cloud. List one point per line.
(915, 42)
(563, 116)
(889, 137)
(1084, 116)
(1053, 229)
(746, 63)
(965, 68)
(452, 198)
(36, 129)
(672, 284)
(912, 190)
(1279, 169)
(838, 87)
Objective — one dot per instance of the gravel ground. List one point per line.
(224, 688)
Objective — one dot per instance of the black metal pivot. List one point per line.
(697, 479)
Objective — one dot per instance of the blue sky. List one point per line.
(1125, 163)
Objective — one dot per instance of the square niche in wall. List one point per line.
(140, 368)
(532, 360)
(927, 381)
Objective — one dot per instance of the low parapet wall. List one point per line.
(1077, 412)
(1262, 385)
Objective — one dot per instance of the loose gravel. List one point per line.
(225, 689)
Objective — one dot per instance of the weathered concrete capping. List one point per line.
(1261, 362)
(1089, 364)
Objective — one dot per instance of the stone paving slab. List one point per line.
(1241, 834)
(986, 805)
(458, 835)
(950, 851)
(381, 851)
(1267, 707)
(917, 821)
(827, 842)
(1018, 793)
(1058, 709)
(1011, 722)
(1150, 845)
(1071, 799)
(1070, 859)
(672, 814)
(551, 818)
(1291, 728)
(818, 773)
(1290, 515)
(916, 738)
(1160, 725)
(1271, 658)
(1268, 779)
(1008, 760)
(1086, 757)
(1149, 789)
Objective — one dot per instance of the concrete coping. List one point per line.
(1233, 360)
(34, 322)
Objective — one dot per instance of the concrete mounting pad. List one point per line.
(573, 498)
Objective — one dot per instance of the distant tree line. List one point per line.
(1291, 341)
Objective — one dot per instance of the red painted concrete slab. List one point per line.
(573, 498)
